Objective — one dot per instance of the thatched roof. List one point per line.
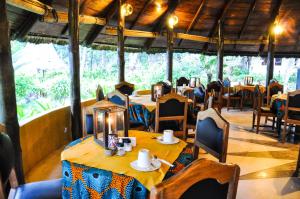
(243, 20)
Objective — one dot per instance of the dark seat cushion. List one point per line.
(40, 190)
(294, 115)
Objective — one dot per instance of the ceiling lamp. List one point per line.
(158, 6)
(127, 9)
(172, 21)
(278, 29)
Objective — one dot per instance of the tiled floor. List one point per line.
(266, 165)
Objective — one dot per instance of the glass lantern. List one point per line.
(157, 91)
(194, 82)
(110, 122)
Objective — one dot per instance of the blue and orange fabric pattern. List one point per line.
(278, 107)
(140, 114)
(80, 181)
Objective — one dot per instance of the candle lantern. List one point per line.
(248, 80)
(157, 90)
(110, 122)
(194, 82)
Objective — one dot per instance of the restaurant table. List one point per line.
(278, 103)
(250, 88)
(88, 173)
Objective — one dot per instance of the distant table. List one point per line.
(88, 173)
(250, 88)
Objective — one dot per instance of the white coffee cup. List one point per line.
(168, 136)
(144, 158)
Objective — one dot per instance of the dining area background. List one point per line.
(149, 99)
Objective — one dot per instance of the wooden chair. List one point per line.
(292, 111)
(201, 179)
(119, 98)
(125, 88)
(181, 81)
(212, 132)
(214, 91)
(170, 110)
(273, 89)
(230, 95)
(259, 110)
(8, 179)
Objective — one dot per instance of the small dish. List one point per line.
(155, 164)
(160, 139)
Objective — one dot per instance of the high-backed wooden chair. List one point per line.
(292, 111)
(8, 179)
(181, 81)
(273, 89)
(230, 95)
(212, 132)
(119, 98)
(125, 88)
(214, 91)
(171, 109)
(201, 179)
(259, 110)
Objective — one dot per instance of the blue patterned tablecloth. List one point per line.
(80, 181)
(138, 113)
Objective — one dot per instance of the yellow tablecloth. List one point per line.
(144, 100)
(90, 154)
(249, 88)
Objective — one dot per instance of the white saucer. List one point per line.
(160, 139)
(155, 165)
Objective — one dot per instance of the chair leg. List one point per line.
(228, 103)
(283, 135)
(266, 119)
(273, 124)
(253, 120)
(258, 123)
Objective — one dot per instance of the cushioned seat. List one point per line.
(40, 190)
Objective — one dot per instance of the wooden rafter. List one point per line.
(81, 8)
(162, 21)
(274, 14)
(133, 24)
(95, 30)
(220, 18)
(195, 19)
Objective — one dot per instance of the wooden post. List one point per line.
(170, 43)
(76, 124)
(8, 105)
(121, 59)
(220, 53)
(270, 60)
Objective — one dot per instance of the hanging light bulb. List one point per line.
(127, 9)
(278, 29)
(173, 20)
(158, 6)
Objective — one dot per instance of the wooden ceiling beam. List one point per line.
(194, 21)
(81, 8)
(50, 15)
(133, 24)
(220, 19)
(273, 17)
(172, 5)
(95, 30)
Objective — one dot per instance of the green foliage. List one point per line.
(60, 90)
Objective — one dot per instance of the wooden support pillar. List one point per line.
(8, 105)
(270, 59)
(298, 80)
(76, 124)
(120, 29)
(220, 53)
(170, 44)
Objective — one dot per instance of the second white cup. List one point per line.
(168, 136)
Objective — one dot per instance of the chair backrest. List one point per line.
(212, 132)
(214, 89)
(7, 162)
(171, 107)
(125, 88)
(99, 93)
(181, 81)
(201, 179)
(167, 88)
(292, 108)
(118, 98)
(257, 98)
(226, 82)
(273, 88)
